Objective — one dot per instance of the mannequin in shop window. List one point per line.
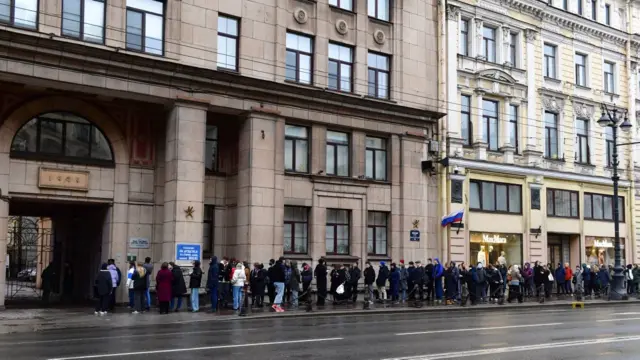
(502, 260)
(482, 255)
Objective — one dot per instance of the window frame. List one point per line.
(581, 77)
(298, 53)
(376, 10)
(594, 10)
(581, 158)
(580, 8)
(553, 203)
(513, 45)
(612, 74)
(609, 144)
(464, 35)
(211, 220)
(143, 27)
(295, 139)
(495, 197)
(335, 146)
(229, 36)
(81, 33)
(293, 224)
(340, 63)
(485, 44)
(513, 124)
(487, 124)
(335, 232)
(339, 5)
(607, 14)
(216, 142)
(12, 17)
(375, 228)
(621, 212)
(377, 71)
(552, 72)
(468, 141)
(547, 137)
(374, 151)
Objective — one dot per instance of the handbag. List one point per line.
(340, 289)
(550, 277)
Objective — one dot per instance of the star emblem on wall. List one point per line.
(189, 212)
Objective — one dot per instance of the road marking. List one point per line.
(627, 313)
(481, 352)
(554, 310)
(494, 344)
(194, 349)
(477, 329)
(611, 320)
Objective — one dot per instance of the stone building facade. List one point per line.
(248, 129)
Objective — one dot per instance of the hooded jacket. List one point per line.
(195, 279)
(178, 287)
(354, 274)
(560, 274)
(148, 268)
(369, 275)
(438, 270)
(239, 276)
(295, 280)
(528, 272)
(104, 283)
(212, 275)
(383, 275)
(276, 272)
(481, 274)
(586, 273)
(115, 279)
(603, 275)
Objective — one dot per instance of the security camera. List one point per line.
(456, 169)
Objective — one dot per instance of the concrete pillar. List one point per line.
(530, 108)
(260, 210)
(477, 46)
(184, 177)
(453, 116)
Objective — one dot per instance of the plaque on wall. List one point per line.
(63, 179)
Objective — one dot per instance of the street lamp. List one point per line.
(610, 118)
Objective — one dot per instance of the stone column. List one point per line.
(479, 136)
(184, 177)
(260, 187)
(478, 38)
(504, 137)
(506, 46)
(453, 116)
(530, 148)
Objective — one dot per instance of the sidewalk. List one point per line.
(33, 320)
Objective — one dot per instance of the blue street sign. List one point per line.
(188, 252)
(414, 235)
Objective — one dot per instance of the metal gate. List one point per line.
(30, 259)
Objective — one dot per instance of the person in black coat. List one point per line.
(335, 282)
(102, 288)
(195, 281)
(428, 280)
(369, 279)
(320, 274)
(538, 278)
(307, 278)
(213, 282)
(381, 281)
(419, 276)
(178, 287)
(270, 287)
(258, 282)
(354, 274)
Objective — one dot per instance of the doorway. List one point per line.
(54, 250)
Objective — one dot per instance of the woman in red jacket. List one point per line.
(568, 277)
(163, 287)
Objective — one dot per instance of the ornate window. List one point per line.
(62, 137)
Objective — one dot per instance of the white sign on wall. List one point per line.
(494, 239)
(139, 243)
(603, 243)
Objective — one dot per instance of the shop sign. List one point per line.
(63, 179)
(494, 239)
(603, 243)
(139, 243)
(188, 252)
(414, 235)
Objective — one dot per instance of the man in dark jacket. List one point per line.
(212, 282)
(538, 278)
(320, 273)
(428, 280)
(102, 289)
(307, 278)
(277, 277)
(195, 280)
(354, 274)
(381, 281)
(369, 278)
(559, 275)
(271, 289)
(258, 276)
(112, 302)
(410, 280)
(419, 276)
(178, 287)
(148, 268)
(224, 278)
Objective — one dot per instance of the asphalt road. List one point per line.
(604, 333)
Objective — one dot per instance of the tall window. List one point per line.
(296, 230)
(594, 10)
(562, 203)
(145, 26)
(376, 233)
(581, 69)
(550, 61)
(227, 43)
(299, 58)
(62, 136)
(495, 197)
(607, 14)
(551, 135)
(565, 4)
(337, 232)
(376, 158)
(19, 13)
(378, 9)
(600, 207)
(580, 7)
(609, 71)
(211, 149)
(208, 223)
(582, 141)
(608, 138)
(340, 67)
(513, 47)
(513, 127)
(464, 37)
(489, 43)
(378, 75)
(465, 115)
(83, 19)
(296, 148)
(342, 4)
(490, 123)
(337, 153)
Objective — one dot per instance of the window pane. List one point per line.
(488, 196)
(474, 190)
(291, 65)
(383, 85)
(369, 163)
(331, 164)
(301, 156)
(305, 69)
(381, 165)
(288, 235)
(550, 203)
(77, 140)
(371, 8)
(345, 77)
(212, 132)
(300, 233)
(288, 155)
(333, 75)
(153, 6)
(343, 216)
(93, 20)
(337, 137)
(26, 138)
(515, 199)
(211, 155)
(5, 10)
(343, 160)
(26, 13)
(51, 137)
(370, 240)
(153, 34)
(597, 207)
(574, 204)
(371, 83)
(607, 207)
(134, 30)
(296, 131)
(329, 239)
(587, 207)
(100, 148)
(501, 197)
(71, 18)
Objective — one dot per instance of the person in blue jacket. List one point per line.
(438, 272)
(603, 275)
(586, 277)
(394, 281)
(411, 279)
(559, 275)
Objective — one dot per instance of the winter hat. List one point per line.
(381, 263)
(402, 261)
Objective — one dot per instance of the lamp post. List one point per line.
(616, 118)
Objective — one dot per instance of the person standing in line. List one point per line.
(271, 288)
(410, 280)
(628, 275)
(381, 281)
(294, 284)
(320, 274)
(224, 276)
(438, 272)
(603, 275)
(148, 268)
(528, 275)
(404, 278)
(394, 283)
(178, 286)
(636, 278)
(428, 280)
(47, 277)
(481, 277)
(287, 278)
(103, 285)
(212, 283)
(568, 276)
(278, 281)
(164, 281)
(257, 285)
(115, 277)
(195, 281)
(68, 282)
(560, 279)
(132, 269)
(514, 284)
(354, 275)
(237, 283)
(307, 278)
(586, 278)
(420, 277)
(369, 278)
(139, 287)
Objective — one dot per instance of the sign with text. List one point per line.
(63, 179)
(139, 243)
(188, 252)
(414, 235)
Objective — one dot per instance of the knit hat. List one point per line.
(381, 263)
(402, 261)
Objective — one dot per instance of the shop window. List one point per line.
(296, 148)
(19, 13)
(296, 230)
(337, 232)
(601, 251)
(145, 26)
(299, 61)
(208, 224)
(562, 203)
(228, 43)
(495, 248)
(340, 67)
(377, 233)
(62, 137)
(376, 158)
(83, 19)
(211, 149)
(337, 153)
(495, 197)
(600, 207)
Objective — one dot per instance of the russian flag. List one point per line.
(454, 217)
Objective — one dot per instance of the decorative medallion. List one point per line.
(341, 27)
(300, 15)
(379, 37)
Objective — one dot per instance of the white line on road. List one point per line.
(627, 313)
(194, 349)
(611, 320)
(477, 329)
(492, 352)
